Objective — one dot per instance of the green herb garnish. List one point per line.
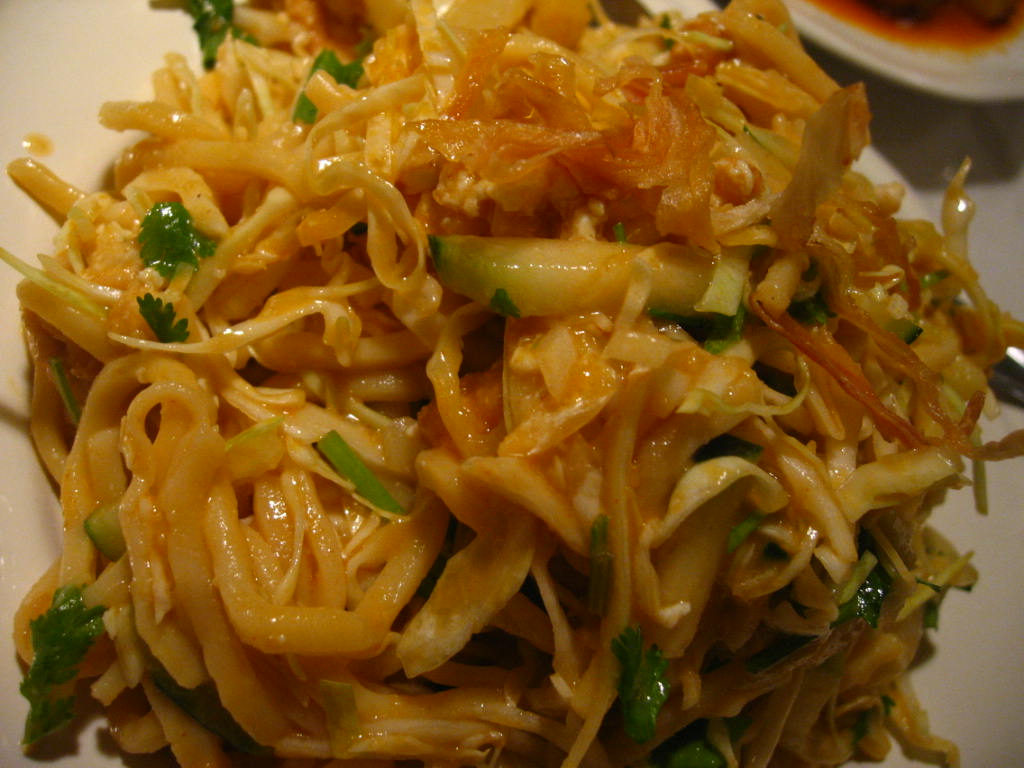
(344, 74)
(162, 320)
(213, 20)
(60, 639)
(168, 239)
(643, 688)
(866, 602)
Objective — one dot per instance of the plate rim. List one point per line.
(882, 56)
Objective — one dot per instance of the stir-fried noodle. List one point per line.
(522, 390)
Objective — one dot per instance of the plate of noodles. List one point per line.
(497, 389)
(954, 53)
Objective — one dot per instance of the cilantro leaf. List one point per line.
(60, 639)
(643, 689)
(161, 319)
(344, 74)
(213, 20)
(168, 239)
(867, 602)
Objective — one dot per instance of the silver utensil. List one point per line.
(1007, 379)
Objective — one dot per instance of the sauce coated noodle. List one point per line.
(643, 395)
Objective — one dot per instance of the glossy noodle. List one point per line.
(536, 392)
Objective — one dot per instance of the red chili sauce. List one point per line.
(949, 26)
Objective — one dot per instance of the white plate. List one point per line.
(991, 74)
(61, 60)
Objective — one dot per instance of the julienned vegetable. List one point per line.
(103, 527)
(612, 555)
(203, 705)
(742, 530)
(342, 715)
(716, 332)
(61, 291)
(546, 277)
(67, 396)
(600, 566)
(60, 639)
(347, 463)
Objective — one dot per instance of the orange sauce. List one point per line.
(949, 27)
